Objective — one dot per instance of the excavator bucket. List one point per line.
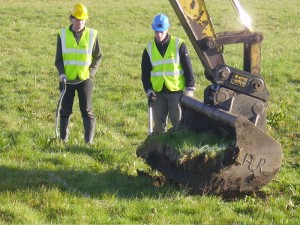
(251, 163)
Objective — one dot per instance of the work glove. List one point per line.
(189, 91)
(62, 78)
(151, 95)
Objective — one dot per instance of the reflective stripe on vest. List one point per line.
(166, 70)
(77, 57)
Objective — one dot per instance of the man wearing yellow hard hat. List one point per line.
(78, 57)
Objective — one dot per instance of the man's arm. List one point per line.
(97, 56)
(59, 63)
(186, 63)
(146, 67)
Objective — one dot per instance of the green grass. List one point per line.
(185, 141)
(45, 182)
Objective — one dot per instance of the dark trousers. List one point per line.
(84, 91)
(166, 105)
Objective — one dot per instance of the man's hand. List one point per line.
(62, 78)
(151, 95)
(189, 91)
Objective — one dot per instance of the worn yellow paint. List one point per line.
(196, 10)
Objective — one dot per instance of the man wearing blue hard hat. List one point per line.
(166, 74)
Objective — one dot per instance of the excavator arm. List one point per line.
(231, 87)
(195, 19)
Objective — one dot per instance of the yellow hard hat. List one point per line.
(79, 11)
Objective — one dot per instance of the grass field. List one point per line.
(43, 181)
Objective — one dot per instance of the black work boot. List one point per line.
(64, 128)
(89, 129)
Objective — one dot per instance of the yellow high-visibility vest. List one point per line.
(77, 57)
(166, 70)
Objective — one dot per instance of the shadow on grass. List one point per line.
(96, 152)
(295, 81)
(81, 183)
(92, 185)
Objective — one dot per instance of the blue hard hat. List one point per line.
(160, 23)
